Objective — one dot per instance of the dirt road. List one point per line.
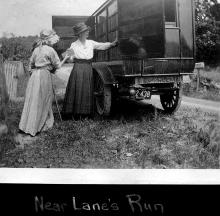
(206, 105)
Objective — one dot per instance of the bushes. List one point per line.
(206, 43)
(17, 48)
(206, 31)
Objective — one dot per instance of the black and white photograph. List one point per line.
(130, 87)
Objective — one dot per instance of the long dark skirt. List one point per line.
(79, 91)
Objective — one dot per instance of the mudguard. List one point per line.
(104, 72)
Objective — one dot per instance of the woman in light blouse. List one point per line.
(78, 99)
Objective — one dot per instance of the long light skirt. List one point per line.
(37, 113)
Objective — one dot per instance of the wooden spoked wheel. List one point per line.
(103, 96)
(171, 100)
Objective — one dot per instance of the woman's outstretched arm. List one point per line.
(104, 46)
(63, 61)
(55, 60)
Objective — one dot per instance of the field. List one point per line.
(136, 136)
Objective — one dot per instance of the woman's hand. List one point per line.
(70, 52)
(67, 56)
(114, 43)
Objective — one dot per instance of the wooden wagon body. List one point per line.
(156, 48)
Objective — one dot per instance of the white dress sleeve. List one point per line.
(101, 46)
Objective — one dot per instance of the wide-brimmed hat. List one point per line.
(79, 28)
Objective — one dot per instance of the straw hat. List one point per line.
(79, 28)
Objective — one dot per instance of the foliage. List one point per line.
(17, 48)
(215, 11)
(206, 31)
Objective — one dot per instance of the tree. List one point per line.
(206, 31)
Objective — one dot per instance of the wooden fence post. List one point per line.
(198, 67)
(10, 69)
(13, 70)
(4, 98)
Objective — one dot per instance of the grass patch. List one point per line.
(209, 77)
(212, 74)
(132, 138)
(190, 91)
(7, 142)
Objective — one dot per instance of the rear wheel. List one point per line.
(171, 100)
(103, 96)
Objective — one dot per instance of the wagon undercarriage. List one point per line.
(138, 88)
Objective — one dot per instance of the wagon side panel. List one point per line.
(179, 40)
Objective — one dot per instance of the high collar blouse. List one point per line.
(86, 51)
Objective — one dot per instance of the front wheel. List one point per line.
(171, 100)
(102, 96)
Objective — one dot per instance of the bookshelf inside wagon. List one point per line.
(156, 48)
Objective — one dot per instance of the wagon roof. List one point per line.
(101, 7)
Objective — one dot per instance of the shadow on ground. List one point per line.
(123, 109)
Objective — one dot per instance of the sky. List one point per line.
(29, 17)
